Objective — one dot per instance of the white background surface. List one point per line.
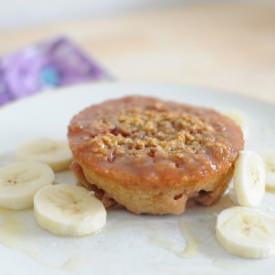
(130, 244)
(22, 13)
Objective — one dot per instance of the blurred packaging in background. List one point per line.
(223, 44)
(54, 63)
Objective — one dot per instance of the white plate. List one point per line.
(129, 244)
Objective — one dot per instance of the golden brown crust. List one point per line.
(99, 193)
(137, 201)
(162, 149)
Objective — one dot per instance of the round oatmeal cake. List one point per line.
(153, 156)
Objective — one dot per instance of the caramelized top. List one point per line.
(146, 136)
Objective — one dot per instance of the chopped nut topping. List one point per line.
(154, 132)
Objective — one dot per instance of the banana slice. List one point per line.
(246, 232)
(270, 171)
(19, 182)
(240, 119)
(249, 179)
(55, 153)
(68, 210)
(270, 180)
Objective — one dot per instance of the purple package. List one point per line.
(50, 64)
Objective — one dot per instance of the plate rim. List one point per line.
(52, 92)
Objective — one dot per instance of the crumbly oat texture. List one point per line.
(153, 156)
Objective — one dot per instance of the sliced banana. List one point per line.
(270, 171)
(55, 153)
(246, 232)
(270, 180)
(249, 179)
(68, 210)
(240, 119)
(19, 182)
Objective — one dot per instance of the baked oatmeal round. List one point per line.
(154, 156)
